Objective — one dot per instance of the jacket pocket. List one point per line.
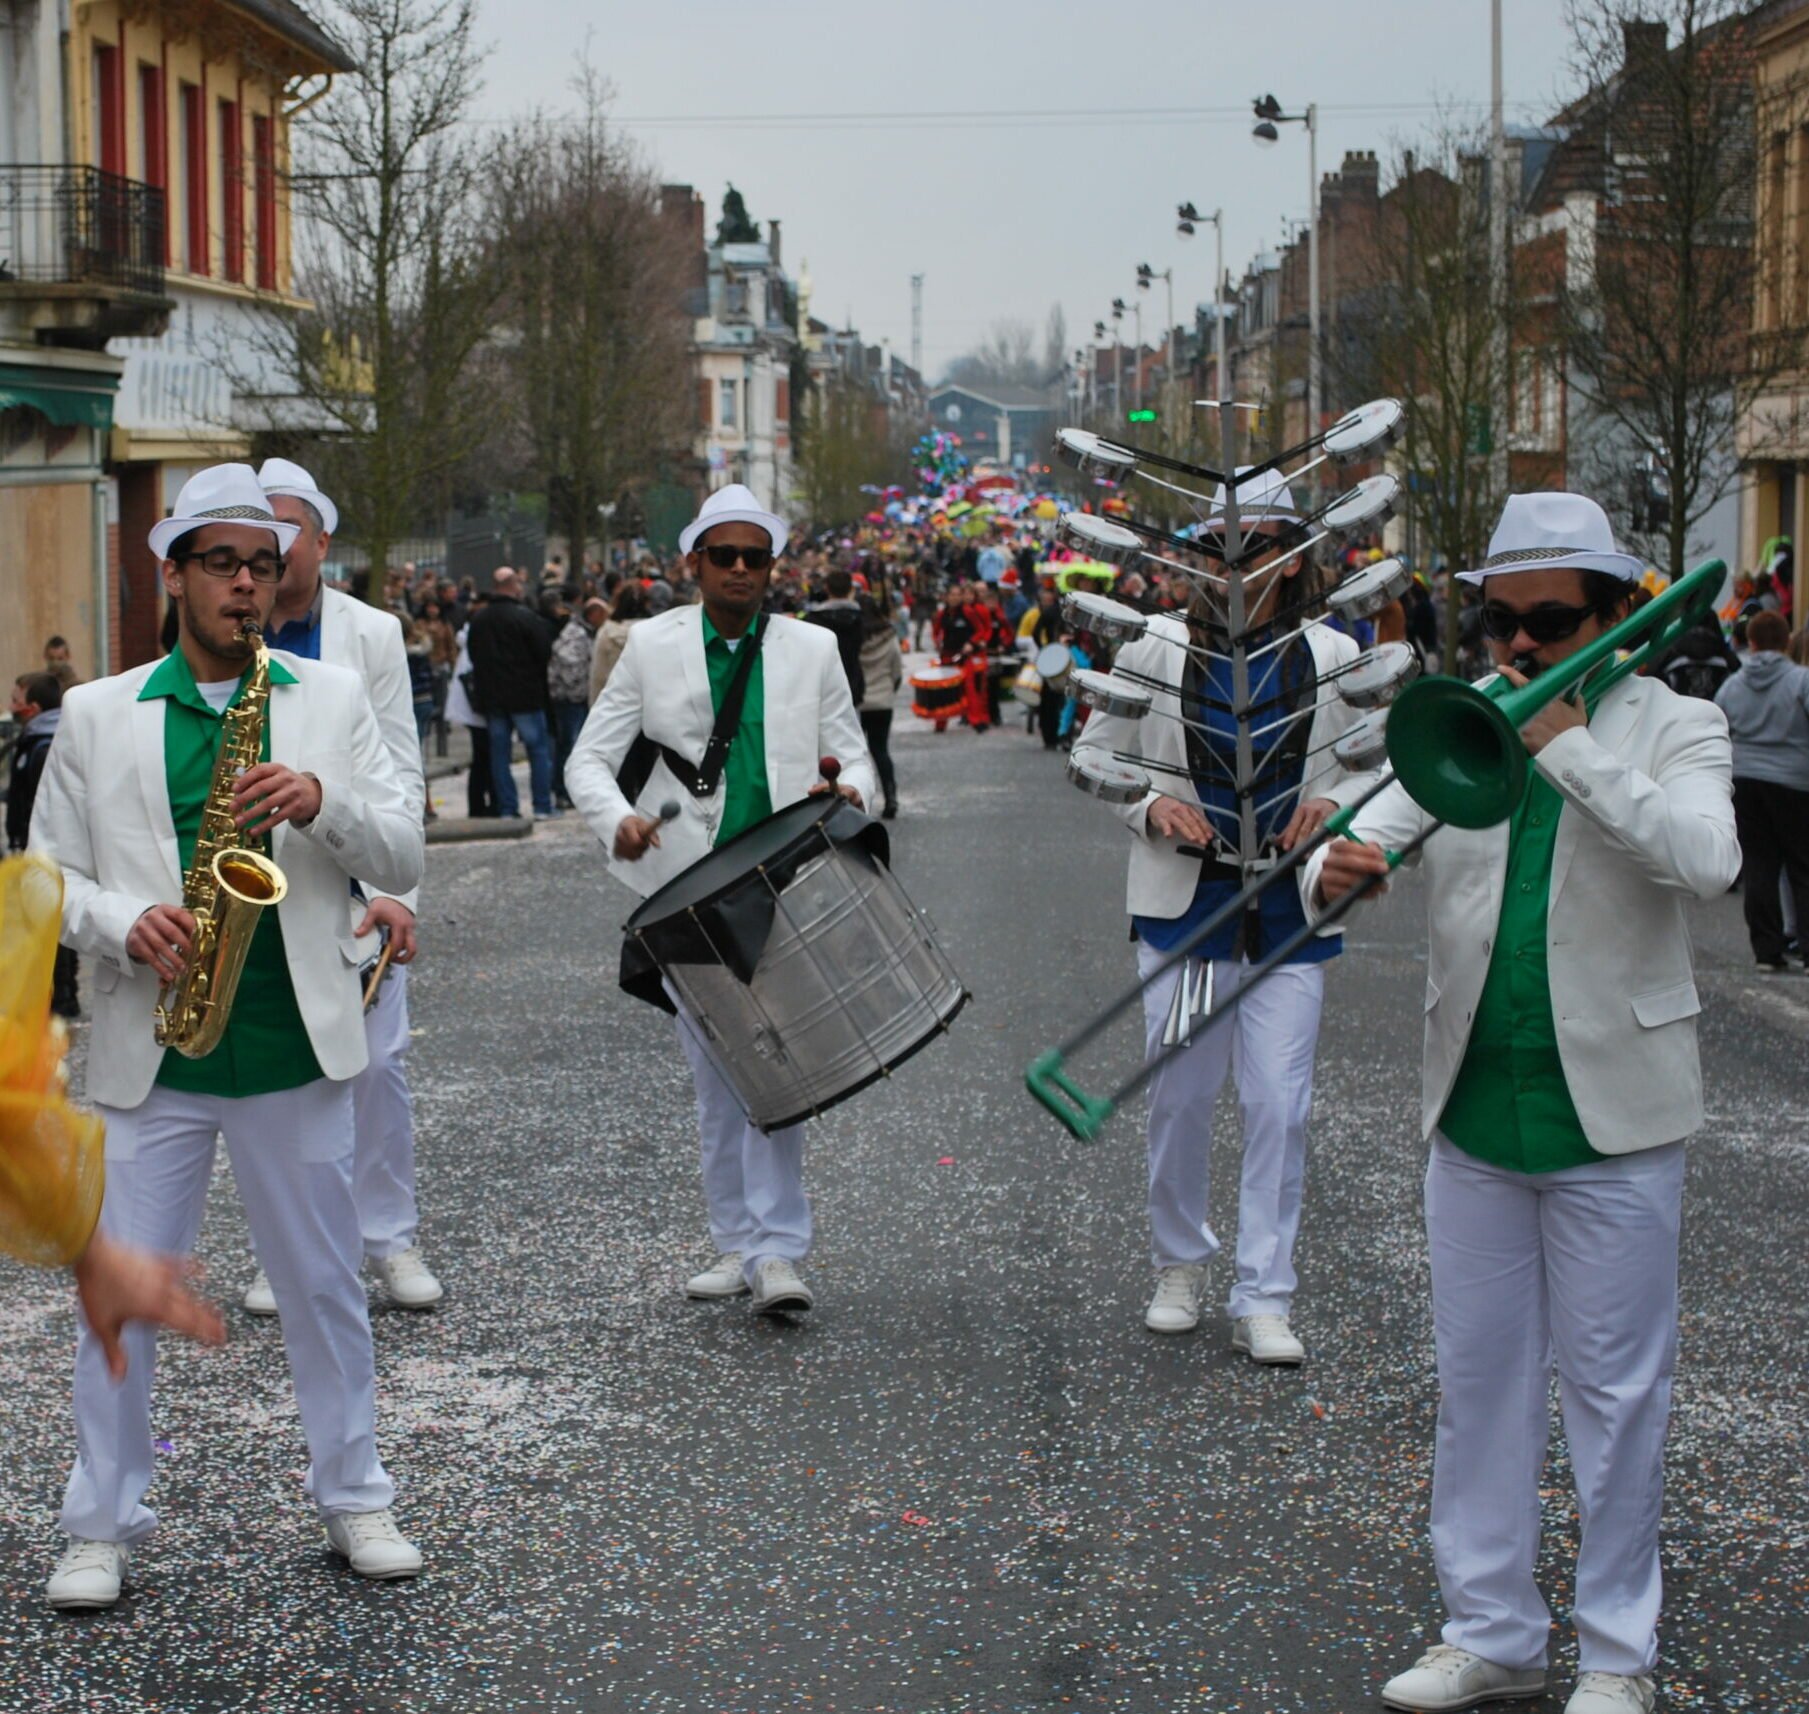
(1432, 993)
(106, 978)
(1666, 1005)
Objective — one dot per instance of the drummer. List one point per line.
(670, 688)
(1268, 1040)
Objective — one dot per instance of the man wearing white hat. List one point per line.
(673, 679)
(1561, 1077)
(322, 624)
(120, 810)
(1179, 877)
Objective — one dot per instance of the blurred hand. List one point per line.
(1348, 863)
(270, 794)
(1306, 821)
(1552, 719)
(637, 835)
(162, 938)
(1170, 818)
(399, 920)
(848, 792)
(116, 1285)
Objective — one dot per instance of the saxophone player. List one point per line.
(139, 776)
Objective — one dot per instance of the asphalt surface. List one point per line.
(969, 1482)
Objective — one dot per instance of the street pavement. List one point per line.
(969, 1482)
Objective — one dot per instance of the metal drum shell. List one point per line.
(1372, 501)
(1094, 455)
(849, 982)
(1365, 745)
(1377, 676)
(1370, 429)
(1369, 589)
(1054, 661)
(1109, 694)
(1115, 621)
(1110, 782)
(1099, 538)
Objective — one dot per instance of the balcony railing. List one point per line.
(79, 226)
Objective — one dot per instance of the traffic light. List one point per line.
(1143, 416)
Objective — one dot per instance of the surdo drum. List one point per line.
(797, 954)
(936, 692)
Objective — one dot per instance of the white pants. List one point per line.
(291, 1156)
(383, 1173)
(1580, 1265)
(1266, 1041)
(753, 1180)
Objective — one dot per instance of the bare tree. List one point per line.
(844, 447)
(597, 374)
(1007, 355)
(395, 260)
(1656, 304)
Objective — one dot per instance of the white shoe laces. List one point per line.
(89, 1556)
(365, 1528)
(1629, 1690)
(1444, 1657)
(1276, 1327)
(1177, 1288)
(405, 1265)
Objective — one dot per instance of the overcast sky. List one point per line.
(1061, 135)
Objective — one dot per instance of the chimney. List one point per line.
(1643, 40)
(772, 242)
(683, 211)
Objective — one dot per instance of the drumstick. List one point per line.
(377, 975)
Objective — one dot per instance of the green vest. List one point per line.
(745, 797)
(265, 1047)
(1510, 1105)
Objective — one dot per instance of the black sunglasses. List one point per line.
(1549, 622)
(722, 555)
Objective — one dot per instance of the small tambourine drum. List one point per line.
(1378, 675)
(936, 692)
(1368, 430)
(799, 960)
(1369, 504)
(1365, 745)
(1369, 590)
(1087, 452)
(1053, 662)
(1111, 782)
(1109, 694)
(1027, 687)
(1099, 538)
(1112, 621)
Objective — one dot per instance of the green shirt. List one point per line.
(265, 1047)
(745, 797)
(1510, 1105)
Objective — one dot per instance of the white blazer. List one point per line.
(103, 815)
(661, 686)
(368, 639)
(1647, 825)
(1162, 881)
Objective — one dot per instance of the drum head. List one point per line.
(1099, 538)
(1115, 621)
(936, 678)
(1365, 745)
(1378, 675)
(1370, 503)
(1053, 662)
(1086, 451)
(1369, 429)
(1109, 694)
(1369, 590)
(1111, 782)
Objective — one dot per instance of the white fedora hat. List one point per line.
(1261, 499)
(220, 494)
(1543, 532)
(279, 476)
(734, 504)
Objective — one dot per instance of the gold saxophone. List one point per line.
(227, 886)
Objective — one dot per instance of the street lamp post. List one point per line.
(1268, 117)
(1119, 306)
(1099, 333)
(1146, 277)
(1187, 217)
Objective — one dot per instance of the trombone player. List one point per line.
(140, 774)
(1560, 1079)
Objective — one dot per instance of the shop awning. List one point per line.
(69, 398)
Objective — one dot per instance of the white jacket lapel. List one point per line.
(153, 779)
(1608, 727)
(696, 677)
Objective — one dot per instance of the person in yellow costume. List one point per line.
(51, 1171)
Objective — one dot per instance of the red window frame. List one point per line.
(263, 153)
(110, 110)
(194, 189)
(232, 193)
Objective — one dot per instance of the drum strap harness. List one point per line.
(701, 781)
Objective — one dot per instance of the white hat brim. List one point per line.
(1621, 565)
(777, 531)
(329, 513)
(167, 531)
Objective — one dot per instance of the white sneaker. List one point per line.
(1612, 1693)
(88, 1576)
(1176, 1306)
(778, 1290)
(1267, 1339)
(1445, 1678)
(259, 1298)
(406, 1278)
(722, 1278)
(373, 1545)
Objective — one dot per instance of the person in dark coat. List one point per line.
(38, 708)
(841, 615)
(510, 648)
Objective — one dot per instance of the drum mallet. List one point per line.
(830, 769)
(668, 811)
